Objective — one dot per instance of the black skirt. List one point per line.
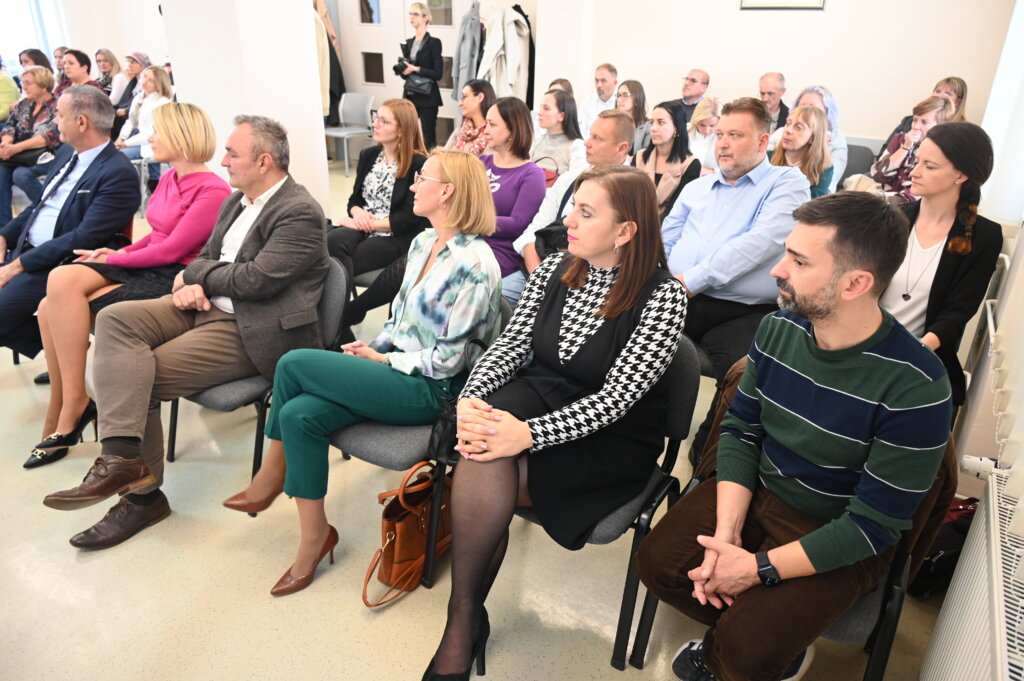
(140, 283)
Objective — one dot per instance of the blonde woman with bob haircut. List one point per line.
(450, 294)
(181, 213)
(804, 145)
(381, 224)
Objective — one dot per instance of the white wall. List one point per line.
(120, 26)
(848, 47)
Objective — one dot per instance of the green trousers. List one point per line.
(317, 392)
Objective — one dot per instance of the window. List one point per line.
(373, 67)
(441, 13)
(369, 11)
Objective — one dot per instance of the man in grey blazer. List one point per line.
(249, 297)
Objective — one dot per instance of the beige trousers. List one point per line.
(148, 351)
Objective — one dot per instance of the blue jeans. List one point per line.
(512, 286)
(135, 153)
(27, 179)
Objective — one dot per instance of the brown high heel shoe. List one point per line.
(242, 503)
(289, 585)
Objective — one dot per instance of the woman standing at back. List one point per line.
(422, 67)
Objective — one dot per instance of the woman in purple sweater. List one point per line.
(181, 213)
(517, 186)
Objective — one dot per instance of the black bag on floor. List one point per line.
(937, 569)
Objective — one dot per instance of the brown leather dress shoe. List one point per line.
(122, 521)
(108, 476)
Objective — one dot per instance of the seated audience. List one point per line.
(89, 196)
(632, 99)
(517, 186)
(156, 91)
(832, 440)
(559, 148)
(702, 128)
(30, 131)
(450, 295)
(804, 145)
(772, 87)
(134, 65)
(181, 213)
(112, 79)
(574, 432)
(34, 57)
(477, 98)
(381, 223)
(667, 160)
(819, 97)
(725, 232)
(607, 145)
(952, 250)
(952, 88)
(77, 68)
(605, 82)
(561, 84)
(695, 85)
(893, 168)
(250, 296)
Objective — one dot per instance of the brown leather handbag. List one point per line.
(399, 560)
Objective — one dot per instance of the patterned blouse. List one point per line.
(378, 187)
(22, 124)
(896, 181)
(637, 368)
(471, 138)
(432, 319)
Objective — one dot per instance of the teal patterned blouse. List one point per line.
(432, 319)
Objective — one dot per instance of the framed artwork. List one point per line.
(782, 4)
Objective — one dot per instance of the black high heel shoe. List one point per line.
(479, 648)
(56, 440)
(40, 458)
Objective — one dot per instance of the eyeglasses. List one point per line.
(623, 95)
(692, 80)
(417, 177)
(415, 14)
(375, 119)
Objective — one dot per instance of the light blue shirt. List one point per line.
(45, 221)
(725, 238)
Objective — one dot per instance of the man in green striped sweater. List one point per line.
(835, 434)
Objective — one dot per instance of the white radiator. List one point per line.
(978, 634)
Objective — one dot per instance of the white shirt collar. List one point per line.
(262, 199)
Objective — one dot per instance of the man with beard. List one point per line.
(833, 437)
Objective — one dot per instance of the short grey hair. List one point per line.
(777, 76)
(270, 138)
(91, 102)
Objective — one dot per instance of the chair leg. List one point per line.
(344, 151)
(261, 423)
(629, 594)
(17, 357)
(172, 431)
(643, 631)
(427, 579)
(879, 644)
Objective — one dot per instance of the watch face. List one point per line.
(769, 577)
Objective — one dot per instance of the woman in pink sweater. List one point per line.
(181, 213)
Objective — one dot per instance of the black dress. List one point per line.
(142, 283)
(591, 394)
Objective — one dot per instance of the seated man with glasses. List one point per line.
(694, 86)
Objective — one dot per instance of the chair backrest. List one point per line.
(506, 313)
(683, 376)
(858, 162)
(355, 109)
(332, 301)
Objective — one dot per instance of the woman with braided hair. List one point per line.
(952, 250)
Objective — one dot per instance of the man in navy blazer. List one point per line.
(90, 195)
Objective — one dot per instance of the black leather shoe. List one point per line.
(123, 521)
(38, 457)
(42, 379)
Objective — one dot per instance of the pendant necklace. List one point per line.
(910, 259)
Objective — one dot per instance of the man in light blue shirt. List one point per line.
(726, 231)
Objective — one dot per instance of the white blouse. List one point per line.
(906, 299)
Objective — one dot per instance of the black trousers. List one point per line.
(19, 299)
(428, 120)
(724, 329)
(359, 253)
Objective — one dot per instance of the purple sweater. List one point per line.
(518, 193)
(182, 213)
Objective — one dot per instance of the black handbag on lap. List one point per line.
(24, 159)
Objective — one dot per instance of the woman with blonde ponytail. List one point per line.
(952, 250)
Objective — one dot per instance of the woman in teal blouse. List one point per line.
(451, 293)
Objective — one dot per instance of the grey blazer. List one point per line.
(467, 51)
(277, 277)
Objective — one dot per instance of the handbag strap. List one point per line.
(408, 577)
(405, 487)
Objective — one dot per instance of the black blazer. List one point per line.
(404, 223)
(783, 115)
(431, 66)
(957, 291)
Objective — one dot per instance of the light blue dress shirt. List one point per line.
(725, 238)
(45, 221)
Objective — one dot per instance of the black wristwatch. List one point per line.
(765, 570)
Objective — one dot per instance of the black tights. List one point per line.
(484, 499)
(381, 292)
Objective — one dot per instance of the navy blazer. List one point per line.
(100, 206)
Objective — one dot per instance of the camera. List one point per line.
(399, 67)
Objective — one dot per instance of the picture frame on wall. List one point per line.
(782, 4)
